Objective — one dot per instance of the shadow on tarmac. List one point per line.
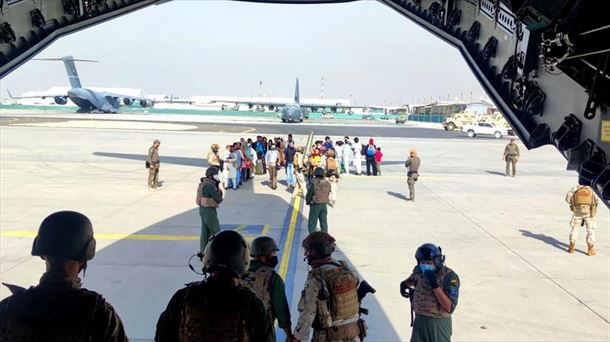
(397, 195)
(496, 173)
(549, 240)
(139, 276)
(185, 161)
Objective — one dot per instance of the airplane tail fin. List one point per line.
(70, 68)
(297, 97)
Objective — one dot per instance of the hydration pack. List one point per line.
(583, 196)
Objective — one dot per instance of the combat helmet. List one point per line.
(319, 244)
(318, 172)
(429, 251)
(211, 171)
(65, 234)
(263, 245)
(226, 250)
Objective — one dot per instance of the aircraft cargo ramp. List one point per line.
(545, 64)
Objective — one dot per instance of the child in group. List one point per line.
(378, 156)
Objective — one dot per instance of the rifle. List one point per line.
(410, 291)
(364, 288)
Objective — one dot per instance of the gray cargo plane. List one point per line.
(295, 111)
(86, 99)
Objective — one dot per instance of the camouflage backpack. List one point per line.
(342, 285)
(260, 282)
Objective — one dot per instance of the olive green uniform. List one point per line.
(153, 169)
(59, 309)
(217, 309)
(412, 164)
(276, 294)
(315, 311)
(318, 196)
(511, 156)
(432, 323)
(208, 198)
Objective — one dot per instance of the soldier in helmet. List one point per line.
(217, 308)
(58, 308)
(153, 163)
(583, 204)
(435, 296)
(318, 196)
(267, 284)
(209, 197)
(329, 301)
(213, 157)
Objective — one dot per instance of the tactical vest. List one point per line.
(213, 159)
(583, 196)
(260, 282)
(342, 286)
(52, 314)
(201, 323)
(208, 202)
(321, 190)
(424, 300)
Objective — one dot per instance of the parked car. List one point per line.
(400, 119)
(484, 128)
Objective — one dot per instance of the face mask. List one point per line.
(215, 177)
(426, 267)
(272, 261)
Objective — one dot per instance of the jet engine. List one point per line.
(128, 102)
(146, 103)
(271, 107)
(60, 100)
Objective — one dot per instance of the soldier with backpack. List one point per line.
(369, 153)
(583, 204)
(329, 301)
(264, 281)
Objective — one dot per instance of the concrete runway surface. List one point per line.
(505, 237)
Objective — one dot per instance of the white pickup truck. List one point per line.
(488, 128)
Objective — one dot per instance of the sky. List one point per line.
(365, 51)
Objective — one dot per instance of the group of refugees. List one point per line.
(347, 153)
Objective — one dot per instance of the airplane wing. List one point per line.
(40, 96)
(131, 98)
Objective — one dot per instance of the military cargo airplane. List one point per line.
(86, 99)
(295, 111)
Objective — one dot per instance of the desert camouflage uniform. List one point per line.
(155, 164)
(582, 213)
(315, 313)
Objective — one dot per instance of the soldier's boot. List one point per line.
(591, 251)
(571, 248)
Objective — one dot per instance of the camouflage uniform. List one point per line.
(59, 309)
(511, 156)
(315, 312)
(270, 288)
(214, 160)
(153, 169)
(584, 210)
(208, 198)
(432, 323)
(412, 164)
(218, 309)
(318, 196)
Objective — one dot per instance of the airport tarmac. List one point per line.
(505, 237)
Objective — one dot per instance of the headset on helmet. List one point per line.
(319, 244)
(65, 234)
(429, 251)
(227, 250)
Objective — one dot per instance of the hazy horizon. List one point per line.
(365, 51)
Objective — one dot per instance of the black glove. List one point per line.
(430, 276)
(404, 289)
